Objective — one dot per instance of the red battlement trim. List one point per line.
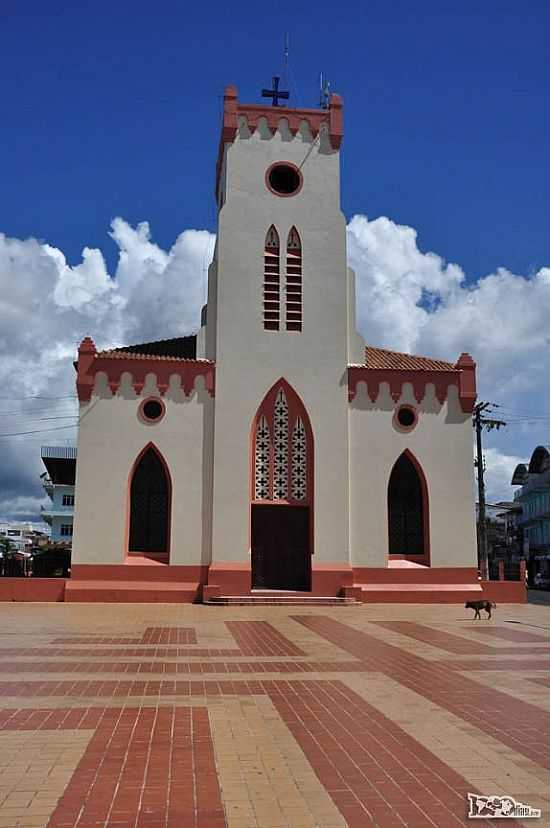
(114, 364)
(333, 117)
(463, 376)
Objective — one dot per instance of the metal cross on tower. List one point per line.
(275, 93)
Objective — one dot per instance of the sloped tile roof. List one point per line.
(181, 347)
(382, 358)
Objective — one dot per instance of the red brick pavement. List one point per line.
(154, 766)
(516, 723)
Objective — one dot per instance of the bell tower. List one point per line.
(280, 308)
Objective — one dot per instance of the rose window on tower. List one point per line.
(299, 461)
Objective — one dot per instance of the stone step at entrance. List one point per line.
(427, 593)
(131, 592)
(282, 598)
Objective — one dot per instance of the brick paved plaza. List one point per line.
(164, 716)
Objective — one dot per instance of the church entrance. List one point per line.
(280, 548)
(407, 511)
(149, 507)
(281, 513)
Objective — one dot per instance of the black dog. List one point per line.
(478, 606)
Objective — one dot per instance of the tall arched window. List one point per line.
(149, 505)
(283, 448)
(407, 509)
(293, 281)
(272, 290)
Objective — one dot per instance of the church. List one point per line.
(274, 456)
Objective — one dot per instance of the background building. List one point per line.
(534, 519)
(58, 482)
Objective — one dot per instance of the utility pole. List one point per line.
(479, 422)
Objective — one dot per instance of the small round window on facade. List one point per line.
(151, 410)
(284, 179)
(406, 417)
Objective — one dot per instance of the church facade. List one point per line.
(274, 451)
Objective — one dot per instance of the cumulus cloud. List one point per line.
(47, 307)
(417, 302)
(407, 299)
(501, 468)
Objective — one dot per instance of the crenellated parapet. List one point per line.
(113, 364)
(235, 112)
(396, 369)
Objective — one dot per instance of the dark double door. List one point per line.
(405, 510)
(150, 506)
(281, 556)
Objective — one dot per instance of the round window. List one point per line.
(406, 416)
(151, 410)
(284, 179)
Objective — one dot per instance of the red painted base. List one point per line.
(144, 581)
(32, 589)
(505, 592)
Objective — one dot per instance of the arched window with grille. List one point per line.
(293, 281)
(408, 518)
(150, 495)
(272, 288)
(281, 508)
(282, 448)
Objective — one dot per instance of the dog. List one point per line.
(478, 606)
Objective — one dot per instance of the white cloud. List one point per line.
(500, 468)
(47, 307)
(407, 299)
(417, 302)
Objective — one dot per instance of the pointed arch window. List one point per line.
(149, 505)
(280, 447)
(283, 449)
(407, 510)
(293, 281)
(261, 460)
(299, 461)
(272, 288)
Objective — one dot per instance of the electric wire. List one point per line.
(37, 431)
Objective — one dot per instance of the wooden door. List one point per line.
(281, 556)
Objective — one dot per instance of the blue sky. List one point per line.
(112, 109)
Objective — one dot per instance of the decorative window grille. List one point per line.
(293, 282)
(299, 461)
(272, 297)
(262, 448)
(283, 449)
(280, 447)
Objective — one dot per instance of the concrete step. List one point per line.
(131, 592)
(277, 598)
(431, 593)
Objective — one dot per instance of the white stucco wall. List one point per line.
(110, 438)
(250, 359)
(442, 444)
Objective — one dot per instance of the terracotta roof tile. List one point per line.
(119, 354)
(382, 358)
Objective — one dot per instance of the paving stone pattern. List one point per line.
(159, 716)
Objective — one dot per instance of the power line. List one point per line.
(37, 431)
(37, 397)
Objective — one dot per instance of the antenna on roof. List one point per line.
(324, 92)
